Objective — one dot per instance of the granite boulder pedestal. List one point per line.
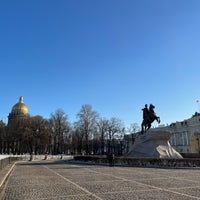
(153, 144)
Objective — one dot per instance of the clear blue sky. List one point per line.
(116, 55)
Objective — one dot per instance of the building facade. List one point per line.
(185, 136)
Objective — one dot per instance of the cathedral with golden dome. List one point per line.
(19, 110)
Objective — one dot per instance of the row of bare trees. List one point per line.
(90, 134)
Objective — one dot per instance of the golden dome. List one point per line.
(20, 107)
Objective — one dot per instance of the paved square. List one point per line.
(52, 180)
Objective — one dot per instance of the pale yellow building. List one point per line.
(185, 136)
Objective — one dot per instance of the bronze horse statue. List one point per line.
(149, 117)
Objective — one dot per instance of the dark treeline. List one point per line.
(90, 134)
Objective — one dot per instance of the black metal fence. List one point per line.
(6, 161)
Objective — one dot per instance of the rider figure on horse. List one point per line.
(148, 117)
(145, 111)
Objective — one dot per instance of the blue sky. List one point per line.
(115, 55)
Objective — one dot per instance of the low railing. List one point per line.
(7, 160)
(141, 162)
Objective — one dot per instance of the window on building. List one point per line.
(181, 123)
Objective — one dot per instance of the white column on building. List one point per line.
(182, 138)
(187, 139)
(174, 139)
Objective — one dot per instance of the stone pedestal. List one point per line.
(153, 144)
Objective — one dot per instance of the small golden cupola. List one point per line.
(18, 110)
(20, 107)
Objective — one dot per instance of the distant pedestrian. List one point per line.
(45, 156)
(111, 159)
(31, 156)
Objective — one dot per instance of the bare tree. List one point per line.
(59, 127)
(115, 131)
(134, 128)
(39, 134)
(77, 138)
(2, 136)
(27, 135)
(87, 120)
(16, 139)
(103, 126)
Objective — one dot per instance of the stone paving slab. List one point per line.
(4, 173)
(49, 180)
(145, 195)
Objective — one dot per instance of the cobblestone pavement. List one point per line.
(64, 181)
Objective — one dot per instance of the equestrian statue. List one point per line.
(148, 117)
